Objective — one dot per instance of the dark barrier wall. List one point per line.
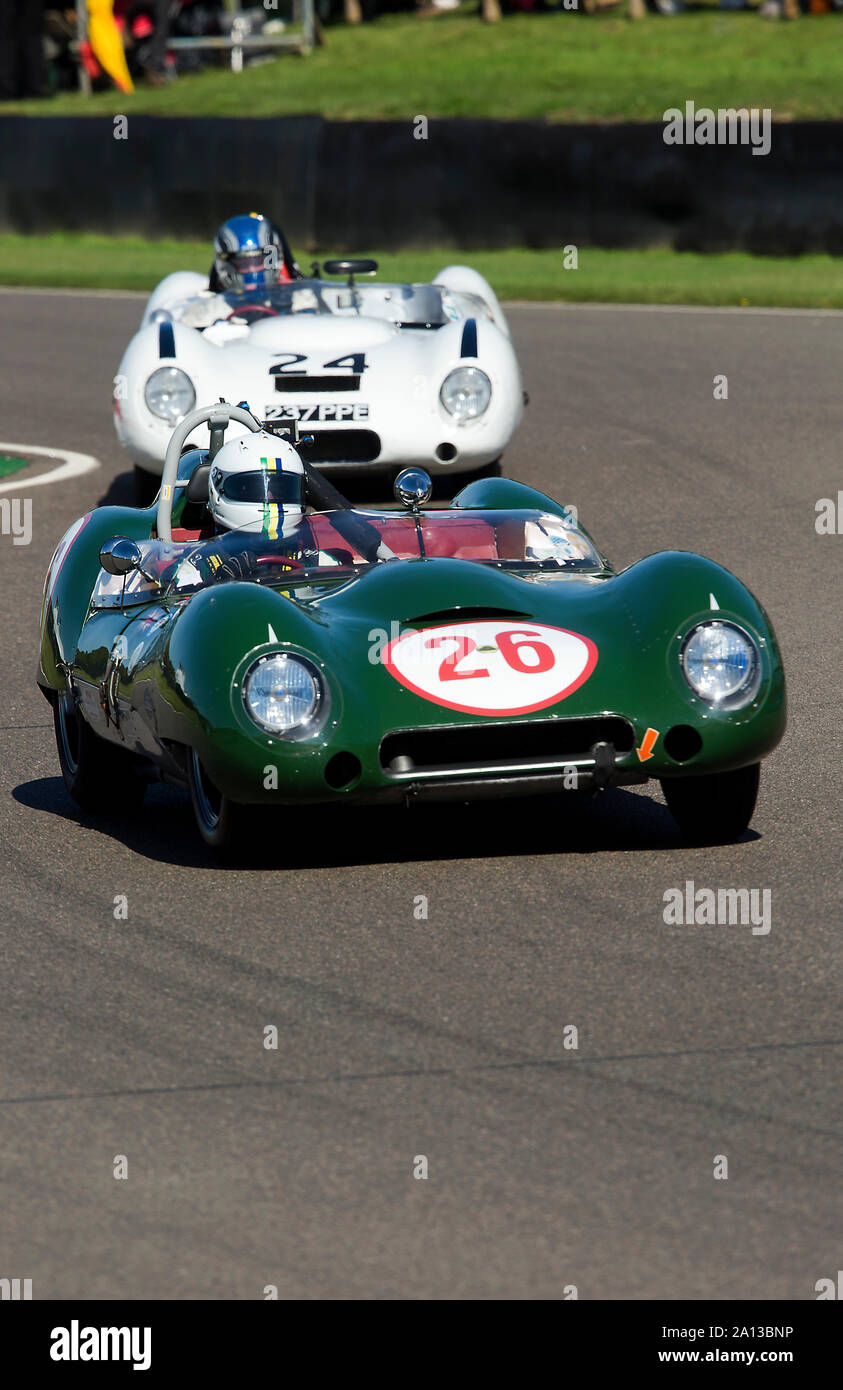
(349, 186)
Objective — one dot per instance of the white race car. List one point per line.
(373, 376)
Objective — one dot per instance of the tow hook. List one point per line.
(604, 764)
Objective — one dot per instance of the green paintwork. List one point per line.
(178, 684)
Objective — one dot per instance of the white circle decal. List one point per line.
(493, 667)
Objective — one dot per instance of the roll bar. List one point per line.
(218, 417)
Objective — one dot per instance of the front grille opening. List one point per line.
(290, 381)
(681, 743)
(416, 751)
(341, 446)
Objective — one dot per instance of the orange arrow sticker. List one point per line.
(648, 743)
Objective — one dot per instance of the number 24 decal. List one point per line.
(354, 362)
(510, 644)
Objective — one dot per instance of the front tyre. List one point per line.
(223, 824)
(98, 775)
(715, 809)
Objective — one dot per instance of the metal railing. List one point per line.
(238, 44)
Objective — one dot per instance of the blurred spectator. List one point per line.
(148, 23)
(21, 49)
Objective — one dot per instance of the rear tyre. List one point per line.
(223, 824)
(98, 775)
(715, 809)
(146, 486)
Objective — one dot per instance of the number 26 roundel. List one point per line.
(493, 667)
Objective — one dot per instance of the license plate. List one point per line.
(324, 411)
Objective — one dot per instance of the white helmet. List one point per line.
(257, 484)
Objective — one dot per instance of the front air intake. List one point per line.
(540, 746)
(340, 446)
(300, 385)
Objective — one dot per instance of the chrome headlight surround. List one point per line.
(169, 394)
(300, 704)
(465, 393)
(711, 657)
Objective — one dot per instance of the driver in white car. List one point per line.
(251, 256)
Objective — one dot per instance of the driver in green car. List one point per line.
(259, 487)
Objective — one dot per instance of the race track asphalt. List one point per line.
(444, 1037)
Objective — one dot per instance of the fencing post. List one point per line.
(81, 36)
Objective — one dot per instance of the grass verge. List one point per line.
(560, 66)
(657, 276)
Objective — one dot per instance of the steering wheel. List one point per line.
(252, 311)
(286, 561)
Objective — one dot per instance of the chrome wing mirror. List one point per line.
(120, 556)
(413, 488)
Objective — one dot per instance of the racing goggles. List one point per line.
(248, 262)
(261, 486)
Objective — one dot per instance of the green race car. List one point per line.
(481, 649)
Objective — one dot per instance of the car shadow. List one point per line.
(318, 837)
(120, 492)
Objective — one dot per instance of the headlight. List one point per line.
(722, 665)
(466, 393)
(285, 695)
(169, 394)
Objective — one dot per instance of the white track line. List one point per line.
(73, 467)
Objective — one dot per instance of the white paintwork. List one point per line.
(398, 397)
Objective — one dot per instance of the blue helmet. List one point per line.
(251, 253)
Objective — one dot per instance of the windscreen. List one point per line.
(409, 306)
(340, 544)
